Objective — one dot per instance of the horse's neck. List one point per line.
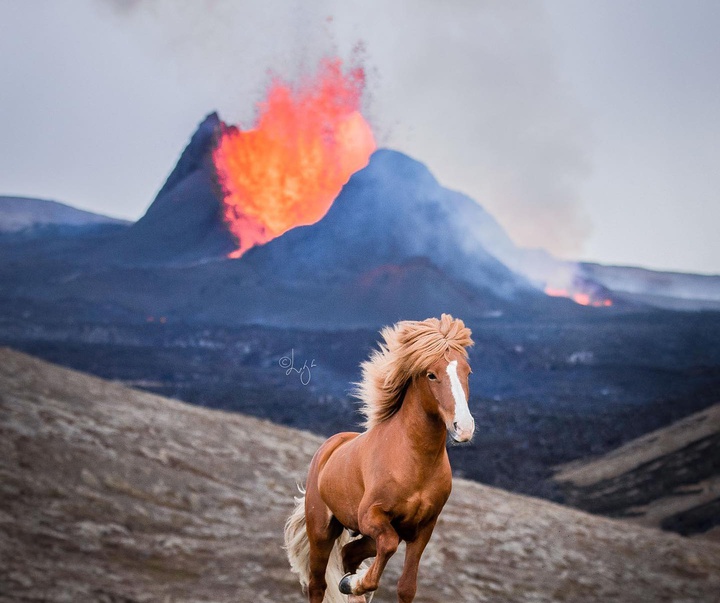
(426, 432)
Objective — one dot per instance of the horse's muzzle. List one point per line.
(462, 433)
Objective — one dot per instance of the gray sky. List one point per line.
(589, 128)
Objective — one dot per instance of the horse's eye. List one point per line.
(432, 376)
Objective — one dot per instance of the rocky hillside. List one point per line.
(110, 494)
(669, 478)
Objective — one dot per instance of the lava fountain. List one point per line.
(287, 170)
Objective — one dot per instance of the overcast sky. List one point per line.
(589, 128)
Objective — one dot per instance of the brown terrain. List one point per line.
(669, 478)
(115, 495)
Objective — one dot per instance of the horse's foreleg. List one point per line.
(407, 585)
(375, 524)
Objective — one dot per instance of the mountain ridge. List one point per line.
(23, 214)
(184, 223)
(403, 213)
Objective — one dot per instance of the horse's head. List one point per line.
(447, 382)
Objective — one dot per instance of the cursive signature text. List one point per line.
(288, 363)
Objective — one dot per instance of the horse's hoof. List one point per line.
(344, 585)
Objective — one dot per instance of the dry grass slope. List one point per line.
(110, 494)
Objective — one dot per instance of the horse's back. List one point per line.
(323, 454)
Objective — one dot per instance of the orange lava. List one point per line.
(288, 169)
(583, 299)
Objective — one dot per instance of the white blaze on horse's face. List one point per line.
(463, 425)
(451, 396)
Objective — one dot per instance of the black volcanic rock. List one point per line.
(391, 212)
(185, 221)
(195, 155)
(413, 289)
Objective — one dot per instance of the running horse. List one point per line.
(367, 492)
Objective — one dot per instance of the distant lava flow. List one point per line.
(286, 172)
(584, 299)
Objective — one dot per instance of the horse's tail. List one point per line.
(297, 546)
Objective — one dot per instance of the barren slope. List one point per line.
(109, 494)
(668, 478)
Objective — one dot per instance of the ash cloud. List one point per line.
(470, 89)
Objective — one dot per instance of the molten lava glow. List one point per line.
(287, 171)
(583, 299)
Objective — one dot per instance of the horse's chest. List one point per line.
(414, 512)
(414, 506)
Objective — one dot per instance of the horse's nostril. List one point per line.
(455, 426)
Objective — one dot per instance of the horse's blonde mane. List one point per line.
(410, 348)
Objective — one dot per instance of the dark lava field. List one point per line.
(543, 392)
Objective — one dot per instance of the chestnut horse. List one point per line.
(367, 492)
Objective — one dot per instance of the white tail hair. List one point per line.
(297, 546)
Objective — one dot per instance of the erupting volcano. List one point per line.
(287, 170)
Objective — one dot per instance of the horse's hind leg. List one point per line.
(353, 554)
(356, 551)
(322, 530)
(319, 554)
